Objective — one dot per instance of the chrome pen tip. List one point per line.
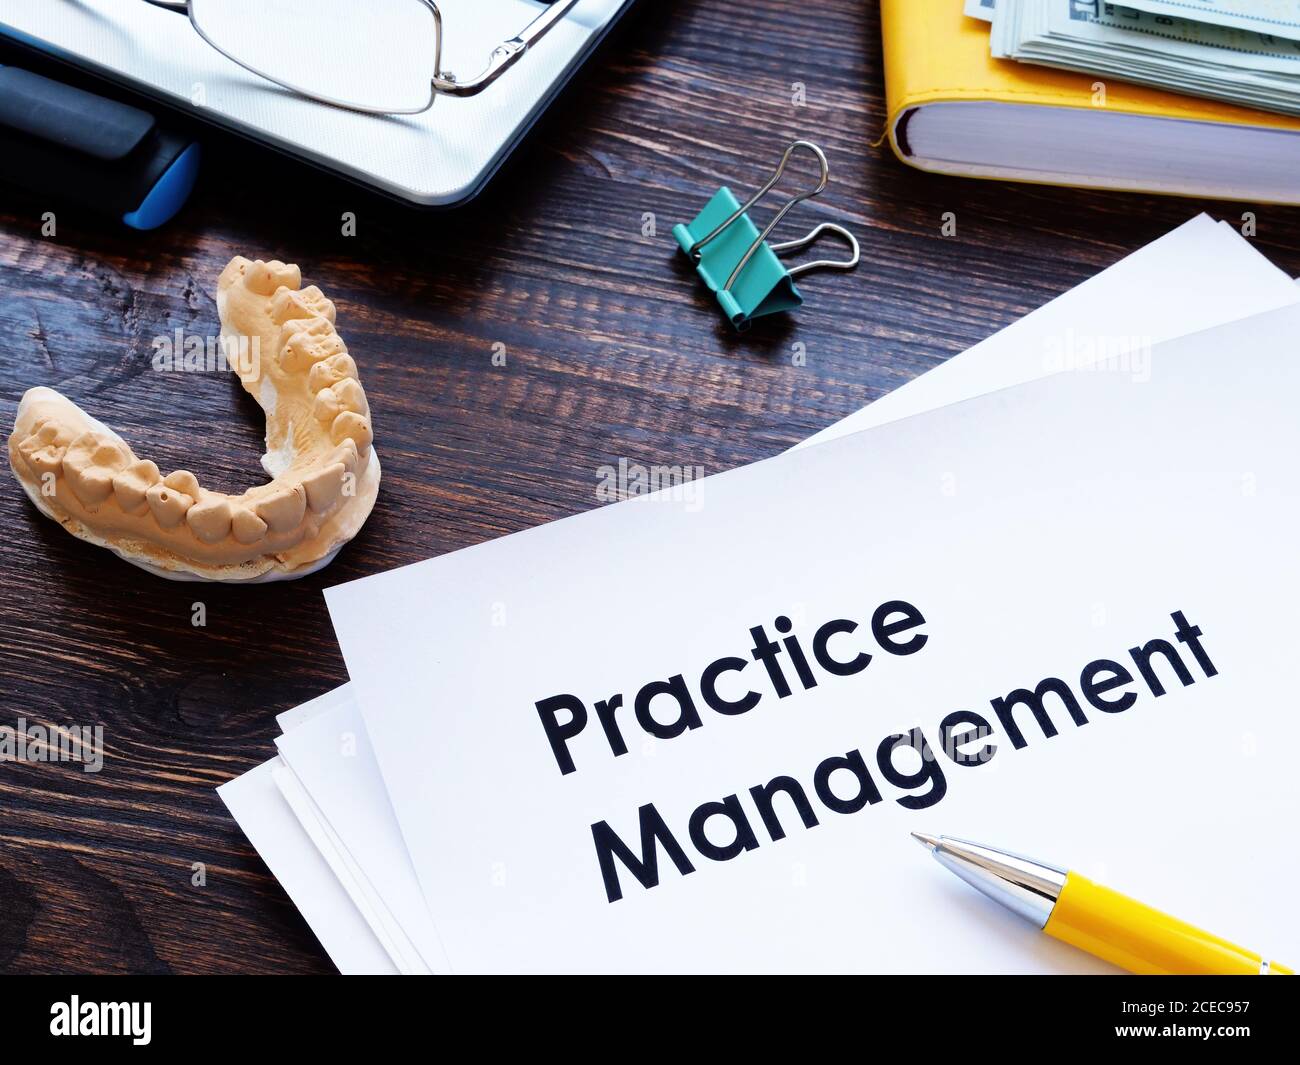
(929, 842)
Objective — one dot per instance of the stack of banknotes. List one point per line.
(1242, 51)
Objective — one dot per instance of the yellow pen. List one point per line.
(1073, 909)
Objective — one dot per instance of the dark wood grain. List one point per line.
(612, 351)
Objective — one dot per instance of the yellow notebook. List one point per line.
(954, 109)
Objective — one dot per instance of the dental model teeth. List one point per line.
(319, 453)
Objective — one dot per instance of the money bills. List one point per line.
(1278, 18)
(1223, 60)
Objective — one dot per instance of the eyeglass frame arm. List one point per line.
(500, 59)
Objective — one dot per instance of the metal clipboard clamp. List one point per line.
(734, 259)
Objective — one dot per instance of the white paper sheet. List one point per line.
(297, 845)
(1197, 276)
(1194, 276)
(367, 902)
(298, 715)
(1037, 529)
(331, 758)
(265, 818)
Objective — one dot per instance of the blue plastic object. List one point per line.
(169, 194)
(732, 255)
(762, 287)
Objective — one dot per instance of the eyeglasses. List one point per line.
(378, 56)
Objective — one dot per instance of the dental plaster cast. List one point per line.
(325, 473)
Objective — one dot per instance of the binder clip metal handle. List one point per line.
(697, 249)
(734, 259)
(821, 264)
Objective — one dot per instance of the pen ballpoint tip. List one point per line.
(929, 842)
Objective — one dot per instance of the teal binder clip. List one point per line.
(734, 259)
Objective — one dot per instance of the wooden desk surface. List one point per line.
(612, 351)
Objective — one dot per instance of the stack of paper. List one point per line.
(693, 735)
